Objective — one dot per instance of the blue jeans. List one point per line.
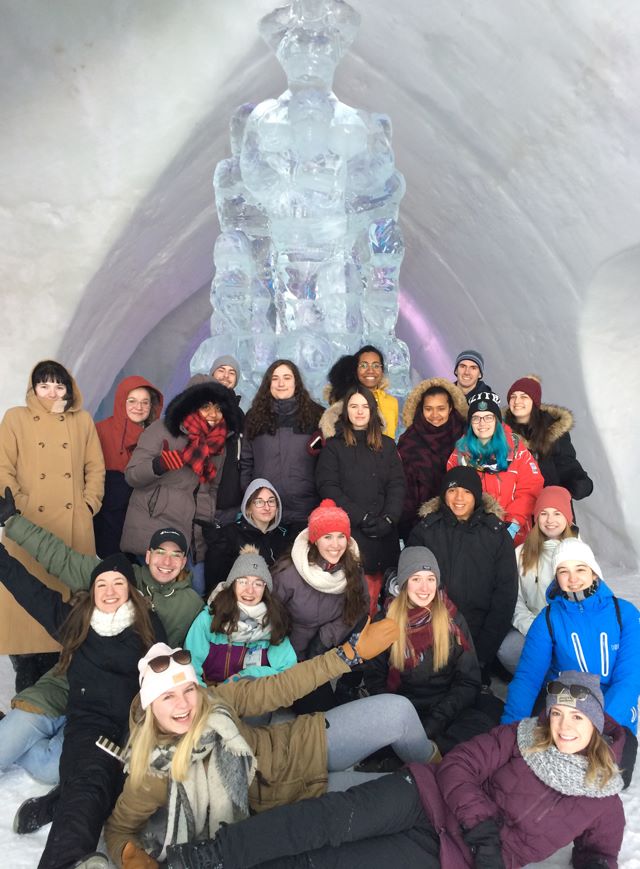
(34, 742)
(197, 576)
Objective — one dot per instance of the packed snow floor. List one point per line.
(23, 852)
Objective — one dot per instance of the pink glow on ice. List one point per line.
(429, 356)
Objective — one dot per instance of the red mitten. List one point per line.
(171, 460)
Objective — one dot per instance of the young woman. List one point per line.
(243, 630)
(433, 661)
(434, 413)
(359, 468)
(321, 583)
(176, 469)
(190, 750)
(278, 436)
(365, 368)
(553, 523)
(546, 428)
(585, 626)
(506, 468)
(102, 635)
(50, 458)
(136, 405)
(506, 798)
(259, 524)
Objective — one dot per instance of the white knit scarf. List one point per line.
(252, 621)
(217, 786)
(313, 575)
(112, 624)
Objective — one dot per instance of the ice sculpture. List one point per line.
(308, 259)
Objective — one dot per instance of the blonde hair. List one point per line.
(532, 546)
(145, 736)
(441, 624)
(601, 764)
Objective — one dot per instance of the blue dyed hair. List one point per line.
(497, 449)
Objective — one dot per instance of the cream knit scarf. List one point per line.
(313, 575)
(112, 624)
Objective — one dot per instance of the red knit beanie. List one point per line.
(557, 498)
(327, 519)
(531, 386)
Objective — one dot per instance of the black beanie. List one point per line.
(465, 478)
(481, 401)
(117, 562)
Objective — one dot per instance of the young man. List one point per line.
(469, 369)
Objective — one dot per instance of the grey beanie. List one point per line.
(472, 356)
(225, 360)
(249, 563)
(413, 559)
(562, 691)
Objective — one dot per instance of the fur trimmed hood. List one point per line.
(195, 396)
(329, 420)
(562, 423)
(458, 398)
(489, 506)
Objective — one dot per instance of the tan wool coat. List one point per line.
(53, 464)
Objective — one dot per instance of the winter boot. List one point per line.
(195, 855)
(92, 861)
(36, 812)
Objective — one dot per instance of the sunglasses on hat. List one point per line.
(578, 692)
(162, 662)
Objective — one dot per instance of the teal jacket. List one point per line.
(176, 603)
(201, 639)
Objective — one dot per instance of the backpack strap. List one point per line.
(616, 604)
(547, 615)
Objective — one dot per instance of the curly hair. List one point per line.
(262, 417)
(74, 629)
(225, 611)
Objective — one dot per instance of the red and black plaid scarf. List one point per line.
(204, 444)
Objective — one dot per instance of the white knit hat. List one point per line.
(153, 685)
(572, 549)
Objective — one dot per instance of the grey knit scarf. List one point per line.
(562, 772)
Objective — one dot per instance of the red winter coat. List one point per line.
(515, 489)
(488, 778)
(118, 435)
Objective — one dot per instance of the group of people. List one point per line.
(299, 557)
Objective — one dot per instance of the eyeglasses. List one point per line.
(162, 662)
(243, 582)
(269, 502)
(133, 402)
(376, 366)
(171, 553)
(483, 420)
(578, 692)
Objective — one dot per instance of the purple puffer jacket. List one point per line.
(488, 778)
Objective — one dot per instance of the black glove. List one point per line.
(484, 843)
(379, 526)
(7, 506)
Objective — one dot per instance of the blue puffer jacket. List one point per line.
(587, 636)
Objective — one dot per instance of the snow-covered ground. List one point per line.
(23, 852)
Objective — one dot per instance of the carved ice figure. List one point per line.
(307, 264)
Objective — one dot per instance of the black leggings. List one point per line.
(377, 824)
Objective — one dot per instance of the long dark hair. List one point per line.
(374, 429)
(48, 369)
(535, 431)
(226, 612)
(261, 416)
(74, 629)
(355, 604)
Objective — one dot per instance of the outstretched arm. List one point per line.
(42, 603)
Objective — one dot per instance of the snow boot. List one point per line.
(36, 812)
(92, 861)
(195, 855)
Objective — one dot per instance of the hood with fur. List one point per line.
(330, 424)
(489, 506)
(414, 398)
(193, 397)
(562, 422)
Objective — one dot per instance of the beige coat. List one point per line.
(53, 464)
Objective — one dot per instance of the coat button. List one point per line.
(40, 443)
(68, 506)
(67, 476)
(65, 445)
(36, 419)
(61, 418)
(41, 509)
(42, 476)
